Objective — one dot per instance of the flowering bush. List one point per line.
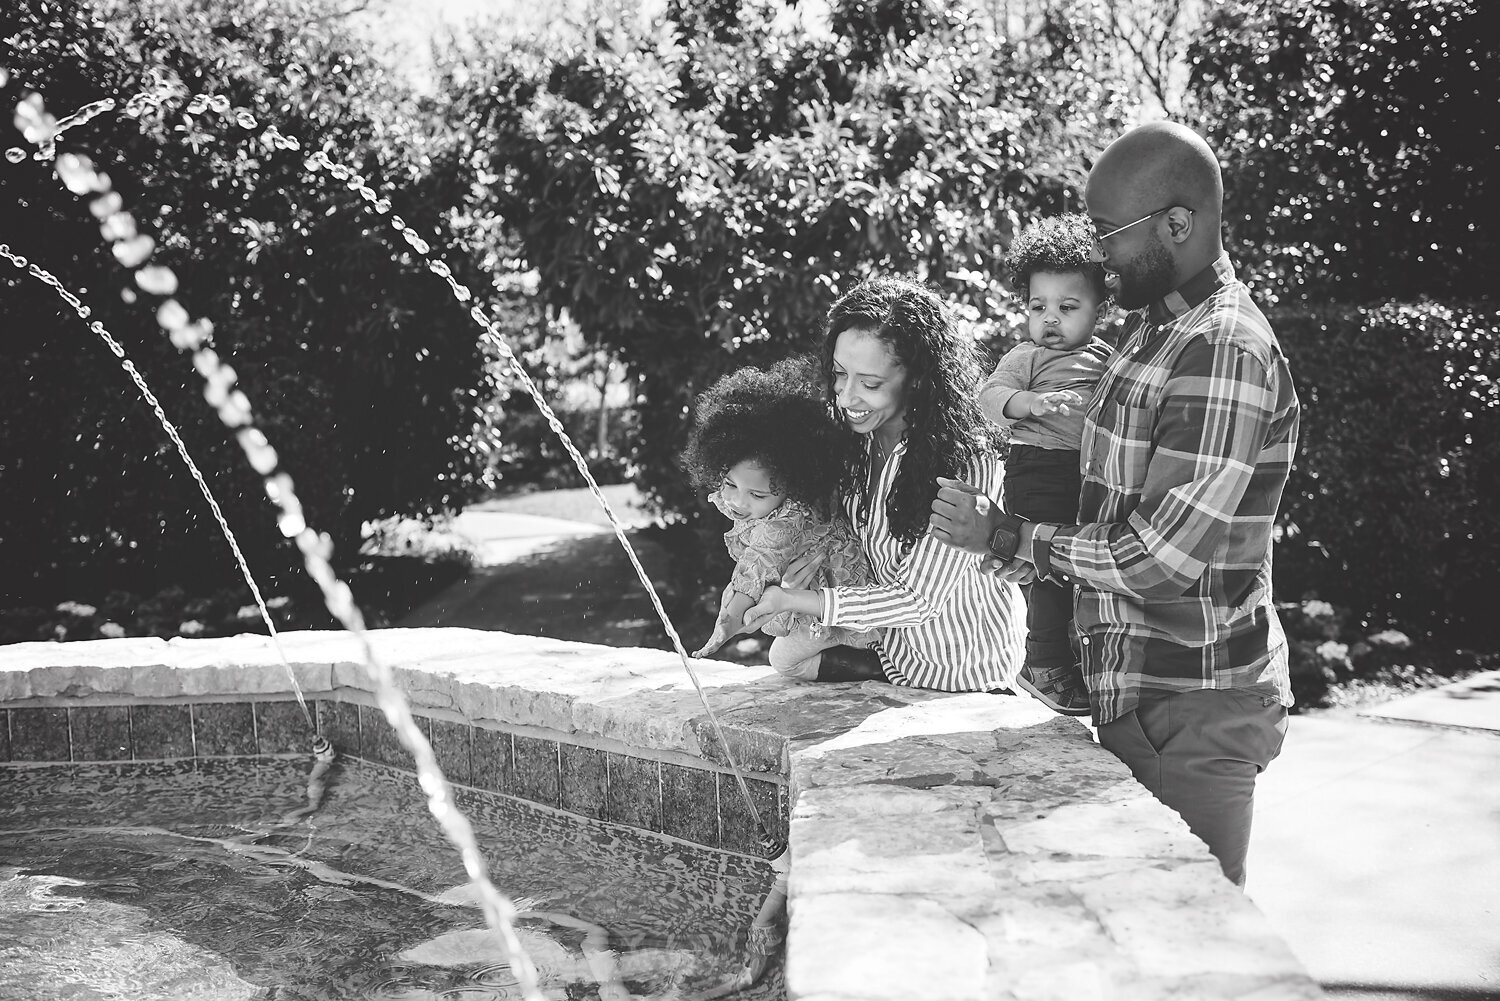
(1330, 651)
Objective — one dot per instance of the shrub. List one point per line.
(1388, 511)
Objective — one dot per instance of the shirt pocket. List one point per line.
(1122, 448)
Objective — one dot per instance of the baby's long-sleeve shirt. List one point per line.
(1029, 366)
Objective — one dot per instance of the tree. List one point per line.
(1358, 141)
(695, 191)
(363, 371)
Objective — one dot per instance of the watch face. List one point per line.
(1004, 541)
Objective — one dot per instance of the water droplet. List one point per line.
(398, 222)
(76, 172)
(462, 293)
(120, 226)
(106, 205)
(18, 261)
(244, 119)
(259, 451)
(219, 103)
(134, 251)
(338, 170)
(4, 76)
(192, 336)
(417, 243)
(476, 313)
(15, 154)
(157, 280)
(198, 105)
(291, 523)
(440, 268)
(236, 410)
(170, 315)
(382, 205)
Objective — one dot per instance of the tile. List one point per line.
(634, 792)
(378, 740)
(690, 804)
(223, 729)
(492, 766)
(39, 735)
(281, 728)
(339, 722)
(450, 744)
(161, 732)
(583, 780)
(536, 771)
(100, 733)
(737, 830)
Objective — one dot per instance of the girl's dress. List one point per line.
(762, 548)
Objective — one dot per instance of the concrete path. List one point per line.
(550, 565)
(1376, 846)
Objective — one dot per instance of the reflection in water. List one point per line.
(185, 881)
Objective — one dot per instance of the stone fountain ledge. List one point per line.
(945, 847)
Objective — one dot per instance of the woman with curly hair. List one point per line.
(760, 441)
(903, 382)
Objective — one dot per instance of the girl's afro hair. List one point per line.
(1055, 245)
(776, 418)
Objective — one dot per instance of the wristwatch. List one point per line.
(1006, 538)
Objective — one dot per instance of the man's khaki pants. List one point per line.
(1199, 752)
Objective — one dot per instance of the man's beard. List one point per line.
(1147, 278)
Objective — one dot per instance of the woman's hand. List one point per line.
(777, 599)
(773, 601)
(800, 572)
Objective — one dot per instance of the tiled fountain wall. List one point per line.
(943, 846)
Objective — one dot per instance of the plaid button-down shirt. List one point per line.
(1186, 449)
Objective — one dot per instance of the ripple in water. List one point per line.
(175, 881)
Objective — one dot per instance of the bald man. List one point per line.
(1186, 448)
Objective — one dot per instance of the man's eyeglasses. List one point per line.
(1099, 238)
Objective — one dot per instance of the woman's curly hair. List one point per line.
(776, 418)
(945, 431)
(1057, 245)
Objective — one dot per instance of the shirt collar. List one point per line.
(1191, 292)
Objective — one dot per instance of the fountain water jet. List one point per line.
(47, 278)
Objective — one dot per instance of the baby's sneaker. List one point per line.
(1058, 688)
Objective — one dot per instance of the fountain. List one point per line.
(133, 250)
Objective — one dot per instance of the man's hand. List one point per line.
(963, 516)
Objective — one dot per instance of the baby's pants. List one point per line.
(1042, 484)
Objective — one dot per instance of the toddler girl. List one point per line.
(764, 443)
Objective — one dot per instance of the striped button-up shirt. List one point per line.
(949, 627)
(1186, 448)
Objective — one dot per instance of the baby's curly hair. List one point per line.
(1055, 245)
(776, 418)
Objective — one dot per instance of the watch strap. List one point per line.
(1041, 549)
